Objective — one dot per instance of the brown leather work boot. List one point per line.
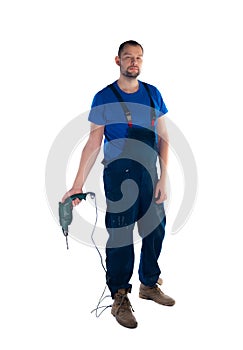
(155, 293)
(122, 310)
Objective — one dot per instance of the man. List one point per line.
(129, 113)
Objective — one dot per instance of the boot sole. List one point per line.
(125, 325)
(147, 298)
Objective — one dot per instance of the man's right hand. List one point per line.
(71, 193)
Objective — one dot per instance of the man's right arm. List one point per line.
(88, 158)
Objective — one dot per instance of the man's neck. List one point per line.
(128, 85)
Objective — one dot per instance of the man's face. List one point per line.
(130, 61)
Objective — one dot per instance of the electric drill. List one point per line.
(66, 211)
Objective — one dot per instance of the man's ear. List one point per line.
(117, 60)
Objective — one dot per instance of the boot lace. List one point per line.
(156, 287)
(124, 303)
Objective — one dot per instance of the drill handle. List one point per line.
(82, 195)
(79, 196)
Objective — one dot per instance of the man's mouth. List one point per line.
(133, 68)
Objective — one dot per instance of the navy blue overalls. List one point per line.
(137, 163)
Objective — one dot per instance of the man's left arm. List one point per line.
(163, 150)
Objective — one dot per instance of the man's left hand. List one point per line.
(160, 193)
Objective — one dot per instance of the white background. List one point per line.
(55, 55)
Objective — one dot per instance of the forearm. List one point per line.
(163, 159)
(88, 158)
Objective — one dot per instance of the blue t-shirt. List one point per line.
(107, 111)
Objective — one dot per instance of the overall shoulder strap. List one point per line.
(122, 103)
(153, 114)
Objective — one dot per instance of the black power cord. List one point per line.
(102, 298)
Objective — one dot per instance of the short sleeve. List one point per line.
(97, 112)
(162, 109)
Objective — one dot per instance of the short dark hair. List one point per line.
(128, 42)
